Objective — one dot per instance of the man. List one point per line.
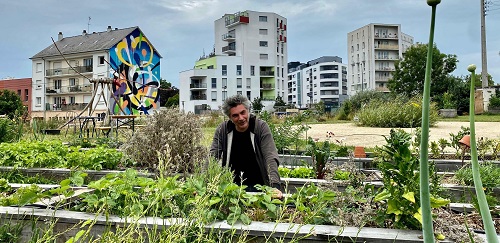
(246, 145)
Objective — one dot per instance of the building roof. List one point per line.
(86, 42)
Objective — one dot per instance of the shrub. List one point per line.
(357, 101)
(7, 130)
(398, 112)
(172, 136)
(494, 102)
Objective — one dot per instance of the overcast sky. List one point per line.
(182, 30)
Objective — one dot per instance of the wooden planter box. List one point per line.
(258, 231)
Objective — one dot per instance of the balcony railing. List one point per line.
(68, 89)
(199, 97)
(237, 18)
(268, 98)
(267, 73)
(384, 69)
(228, 36)
(68, 71)
(198, 86)
(267, 86)
(387, 47)
(230, 48)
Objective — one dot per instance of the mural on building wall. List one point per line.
(136, 77)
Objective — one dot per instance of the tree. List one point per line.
(257, 104)
(173, 101)
(478, 83)
(166, 91)
(408, 77)
(10, 104)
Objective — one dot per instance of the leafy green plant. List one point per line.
(320, 155)
(11, 232)
(455, 138)
(448, 102)
(285, 134)
(401, 183)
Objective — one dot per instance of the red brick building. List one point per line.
(22, 87)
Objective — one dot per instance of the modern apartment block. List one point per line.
(249, 58)
(372, 51)
(322, 79)
(65, 73)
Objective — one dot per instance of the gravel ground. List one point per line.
(370, 136)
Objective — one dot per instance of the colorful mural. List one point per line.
(136, 77)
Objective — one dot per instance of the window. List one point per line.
(238, 69)
(38, 84)
(26, 95)
(57, 84)
(252, 70)
(262, 18)
(239, 83)
(39, 67)
(87, 62)
(214, 95)
(72, 100)
(224, 95)
(263, 57)
(224, 70)
(38, 101)
(101, 60)
(19, 92)
(72, 82)
(263, 43)
(239, 92)
(249, 83)
(249, 94)
(278, 59)
(262, 31)
(214, 83)
(224, 83)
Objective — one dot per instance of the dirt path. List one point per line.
(370, 137)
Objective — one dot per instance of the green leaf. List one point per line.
(382, 196)
(392, 208)
(245, 219)
(65, 182)
(214, 200)
(418, 215)
(410, 196)
(439, 202)
(79, 234)
(271, 207)
(232, 218)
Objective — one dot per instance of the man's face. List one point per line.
(239, 116)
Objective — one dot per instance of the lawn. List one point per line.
(478, 118)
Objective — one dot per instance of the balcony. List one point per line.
(198, 86)
(267, 73)
(68, 71)
(268, 98)
(87, 88)
(386, 47)
(266, 86)
(386, 36)
(228, 36)
(229, 49)
(236, 19)
(384, 69)
(199, 97)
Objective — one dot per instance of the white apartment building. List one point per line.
(249, 58)
(64, 74)
(372, 51)
(322, 79)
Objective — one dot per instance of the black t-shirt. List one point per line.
(243, 160)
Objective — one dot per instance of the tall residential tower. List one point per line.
(249, 58)
(372, 51)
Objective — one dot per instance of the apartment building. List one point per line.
(117, 70)
(372, 51)
(21, 86)
(322, 79)
(249, 58)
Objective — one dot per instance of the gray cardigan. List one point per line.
(263, 145)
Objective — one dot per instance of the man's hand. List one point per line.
(277, 194)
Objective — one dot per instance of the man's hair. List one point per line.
(234, 101)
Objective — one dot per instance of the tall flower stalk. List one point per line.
(491, 236)
(425, 201)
